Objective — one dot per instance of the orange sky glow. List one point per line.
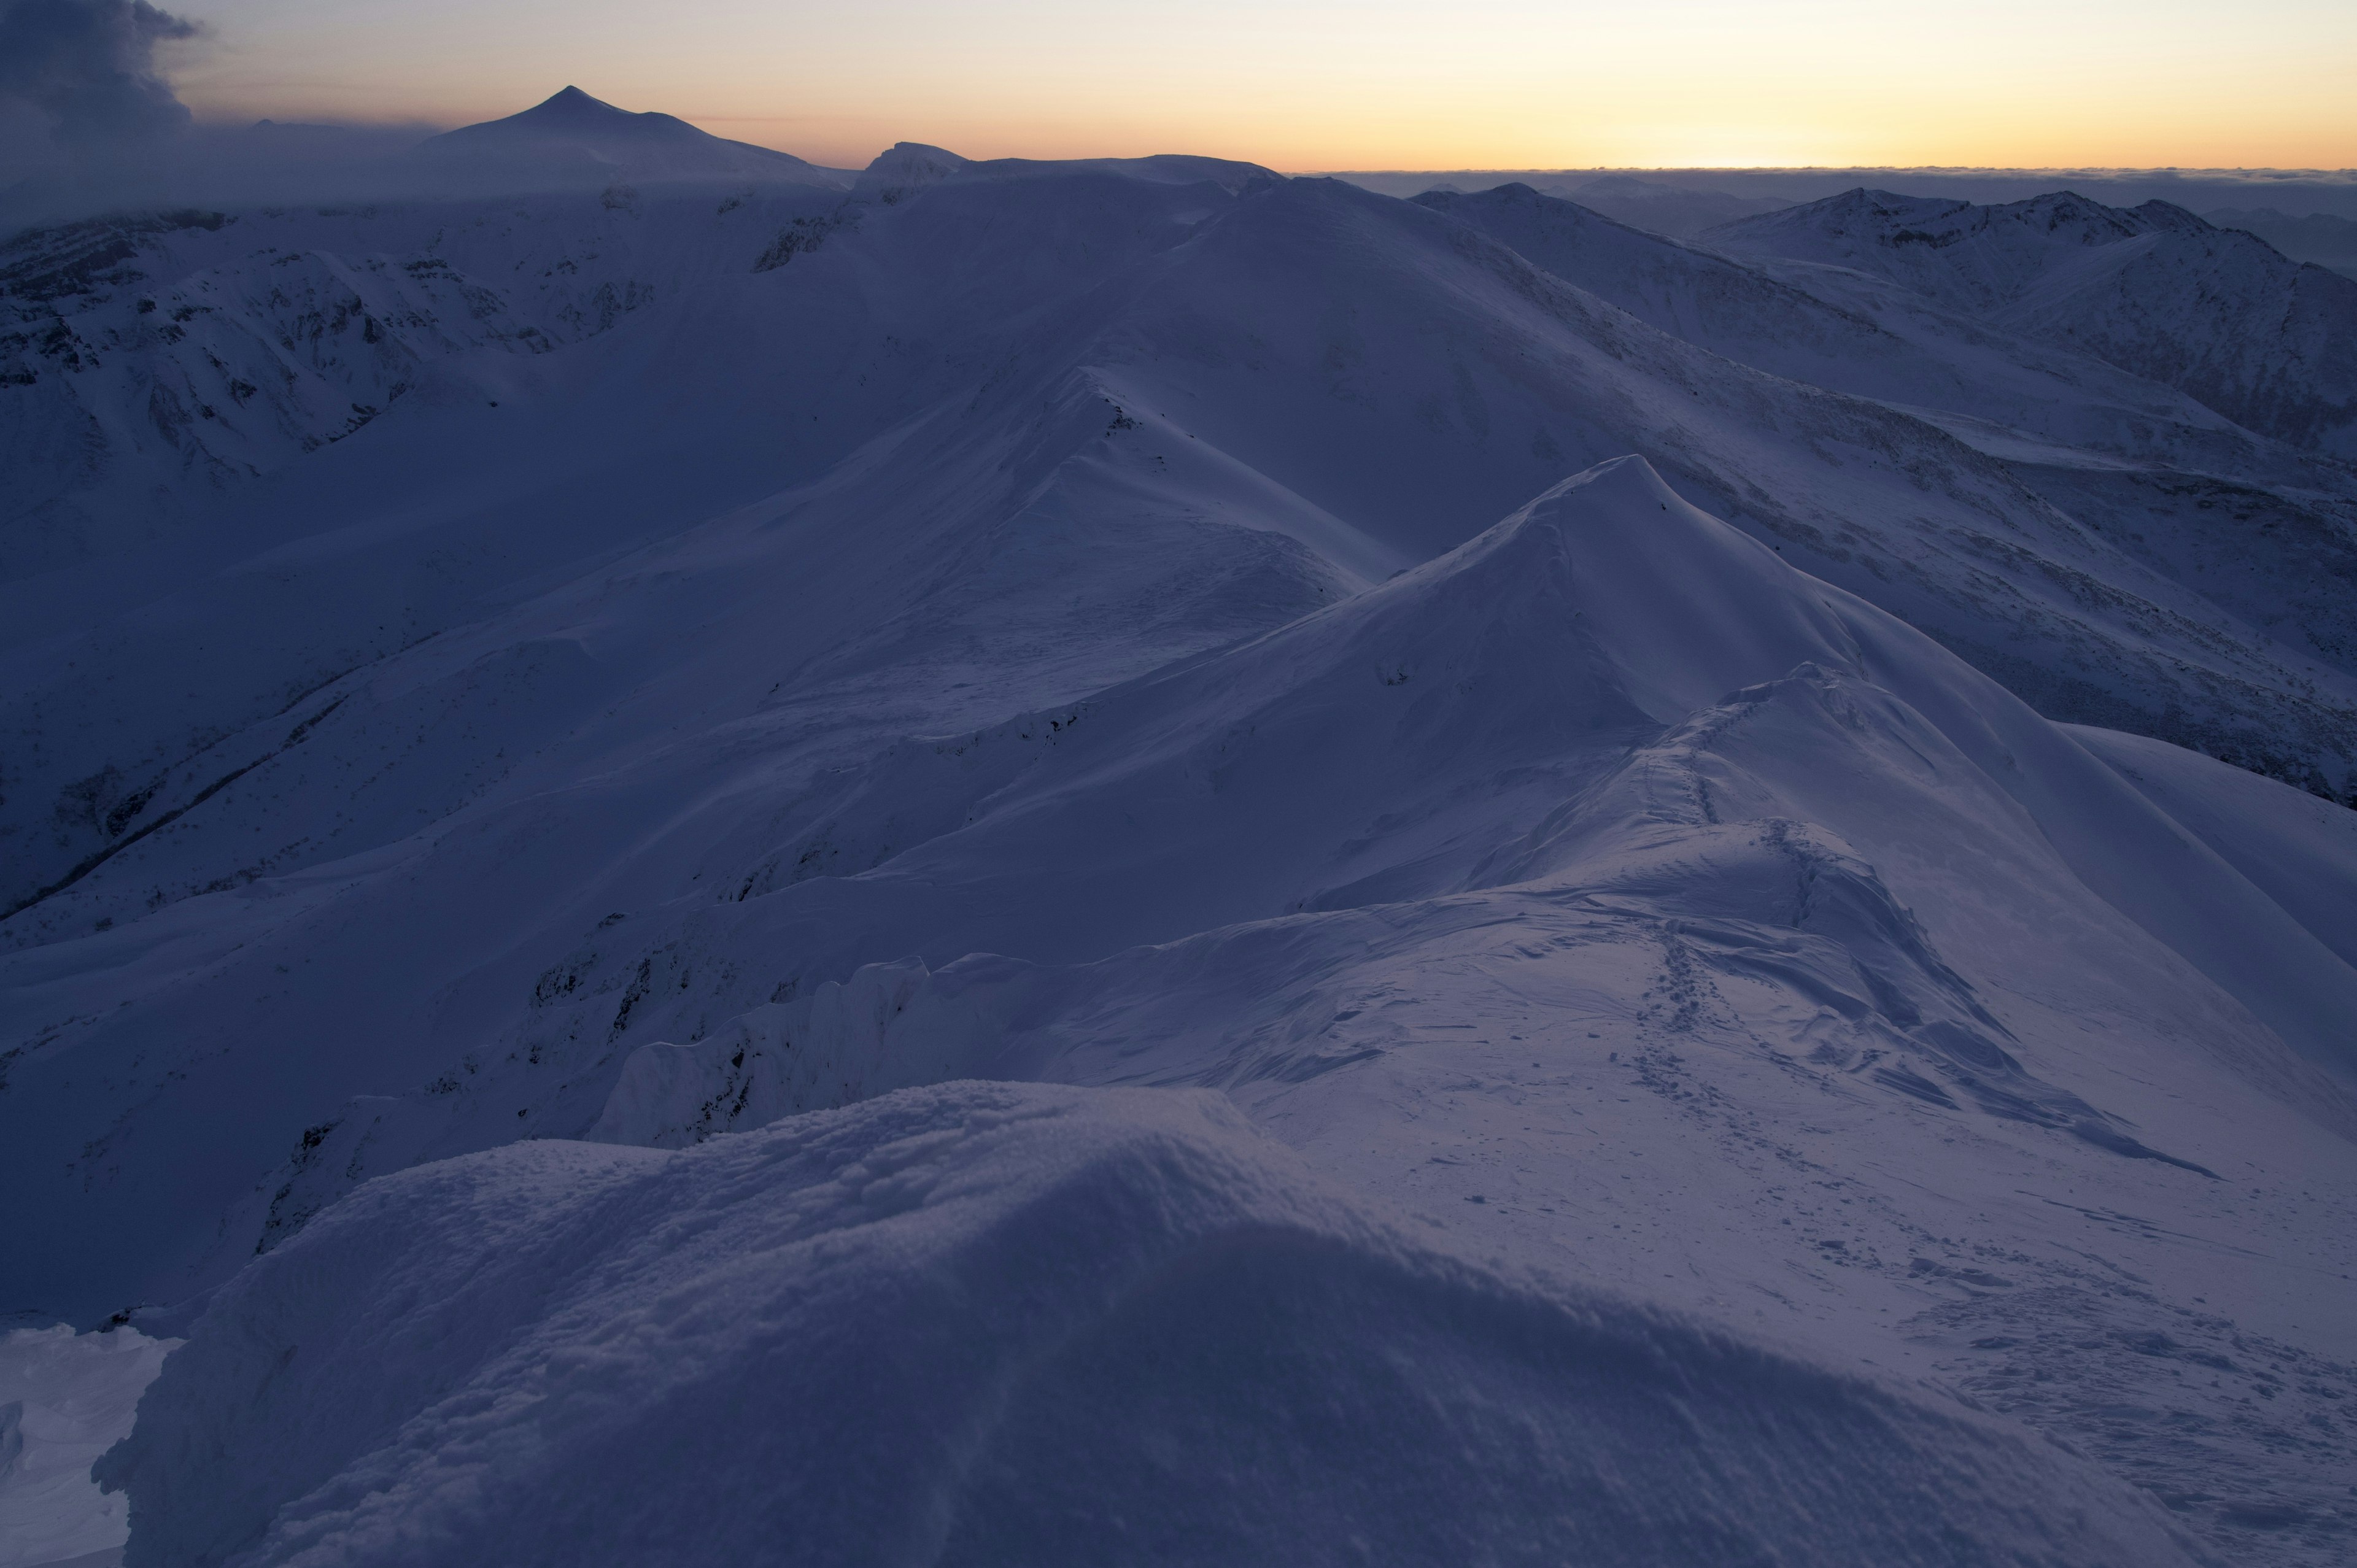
(1314, 84)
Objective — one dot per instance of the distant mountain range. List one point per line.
(569, 141)
(2295, 192)
(1674, 211)
(2218, 313)
(2319, 237)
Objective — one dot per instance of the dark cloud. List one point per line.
(89, 66)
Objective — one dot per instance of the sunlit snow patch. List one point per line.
(64, 1397)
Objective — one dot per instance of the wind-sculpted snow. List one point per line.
(1466, 822)
(991, 1323)
(1092, 624)
(2302, 853)
(2218, 313)
(1398, 744)
(65, 1399)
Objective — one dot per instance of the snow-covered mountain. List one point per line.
(572, 139)
(157, 364)
(2142, 465)
(2327, 239)
(1980, 560)
(155, 361)
(1556, 727)
(1928, 358)
(2218, 313)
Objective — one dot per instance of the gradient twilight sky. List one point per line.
(1310, 85)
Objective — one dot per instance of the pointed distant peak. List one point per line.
(571, 139)
(572, 104)
(570, 113)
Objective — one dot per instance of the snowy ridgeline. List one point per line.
(511, 902)
(2218, 313)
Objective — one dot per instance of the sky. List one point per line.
(1320, 84)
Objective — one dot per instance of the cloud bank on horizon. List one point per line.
(90, 118)
(89, 67)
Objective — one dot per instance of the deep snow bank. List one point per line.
(65, 1398)
(990, 1323)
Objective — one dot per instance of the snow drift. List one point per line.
(997, 1324)
(65, 1399)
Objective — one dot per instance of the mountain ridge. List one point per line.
(1531, 714)
(2268, 342)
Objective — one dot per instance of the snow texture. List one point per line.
(65, 1399)
(984, 1324)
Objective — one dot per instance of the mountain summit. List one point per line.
(570, 108)
(572, 138)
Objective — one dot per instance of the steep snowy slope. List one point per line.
(2218, 313)
(2302, 854)
(149, 367)
(1896, 508)
(1056, 624)
(2265, 536)
(1928, 357)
